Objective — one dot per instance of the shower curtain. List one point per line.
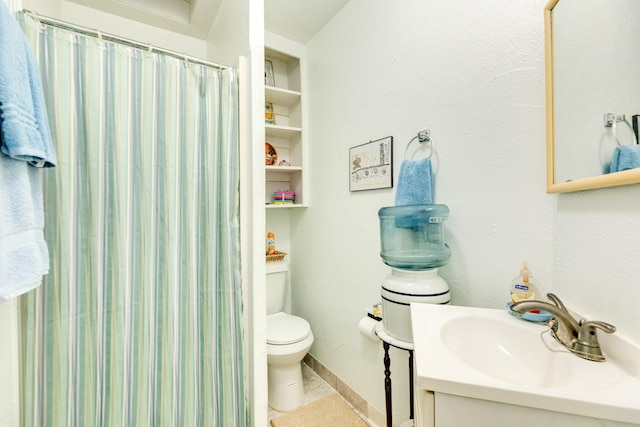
(139, 321)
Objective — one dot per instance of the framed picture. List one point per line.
(371, 165)
(269, 116)
(269, 78)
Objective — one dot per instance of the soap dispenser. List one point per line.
(523, 286)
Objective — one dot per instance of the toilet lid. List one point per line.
(285, 329)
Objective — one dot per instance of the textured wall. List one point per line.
(473, 73)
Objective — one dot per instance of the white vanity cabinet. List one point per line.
(446, 410)
(425, 408)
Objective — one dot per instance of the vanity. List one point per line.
(485, 367)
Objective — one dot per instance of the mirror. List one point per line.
(592, 67)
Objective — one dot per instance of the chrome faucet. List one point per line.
(579, 337)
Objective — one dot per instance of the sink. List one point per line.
(505, 350)
(491, 355)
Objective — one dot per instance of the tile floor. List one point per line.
(315, 388)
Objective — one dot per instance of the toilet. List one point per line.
(289, 338)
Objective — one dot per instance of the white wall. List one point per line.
(473, 73)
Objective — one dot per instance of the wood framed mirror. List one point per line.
(592, 68)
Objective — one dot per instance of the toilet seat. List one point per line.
(285, 329)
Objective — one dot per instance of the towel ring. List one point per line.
(422, 136)
(610, 121)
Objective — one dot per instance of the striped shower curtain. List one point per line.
(139, 321)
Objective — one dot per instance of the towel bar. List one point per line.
(422, 136)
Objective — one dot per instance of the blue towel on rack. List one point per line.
(625, 157)
(415, 183)
(24, 128)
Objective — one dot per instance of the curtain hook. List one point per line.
(34, 15)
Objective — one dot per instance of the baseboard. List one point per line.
(359, 403)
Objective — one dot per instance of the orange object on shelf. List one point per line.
(271, 243)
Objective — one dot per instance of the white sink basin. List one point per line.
(489, 354)
(505, 350)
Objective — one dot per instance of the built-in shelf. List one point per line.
(280, 96)
(272, 206)
(281, 131)
(283, 169)
(286, 136)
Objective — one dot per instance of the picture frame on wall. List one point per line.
(269, 78)
(371, 165)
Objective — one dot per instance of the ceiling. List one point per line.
(297, 20)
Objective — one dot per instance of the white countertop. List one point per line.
(606, 390)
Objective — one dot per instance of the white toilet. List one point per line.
(289, 338)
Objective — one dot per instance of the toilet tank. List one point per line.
(277, 281)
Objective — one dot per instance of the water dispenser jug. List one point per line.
(412, 237)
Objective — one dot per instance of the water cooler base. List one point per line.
(400, 289)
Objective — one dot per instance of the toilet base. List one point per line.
(286, 390)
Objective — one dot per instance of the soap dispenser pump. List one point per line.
(523, 286)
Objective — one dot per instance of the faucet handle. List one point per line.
(587, 346)
(557, 301)
(587, 333)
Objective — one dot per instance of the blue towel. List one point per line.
(415, 183)
(26, 142)
(25, 133)
(24, 257)
(625, 157)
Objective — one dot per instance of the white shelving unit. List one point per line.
(286, 135)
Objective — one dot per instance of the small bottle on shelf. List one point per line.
(271, 243)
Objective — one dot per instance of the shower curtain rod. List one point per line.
(121, 40)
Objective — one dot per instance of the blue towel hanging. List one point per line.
(625, 157)
(415, 183)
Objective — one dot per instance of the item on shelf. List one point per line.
(271, 243)
(284, 163)
(270, 154)
(286, 197)
(269, 116)
(272, 254)
(269, 78)
(277, 256)
(377, 310)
